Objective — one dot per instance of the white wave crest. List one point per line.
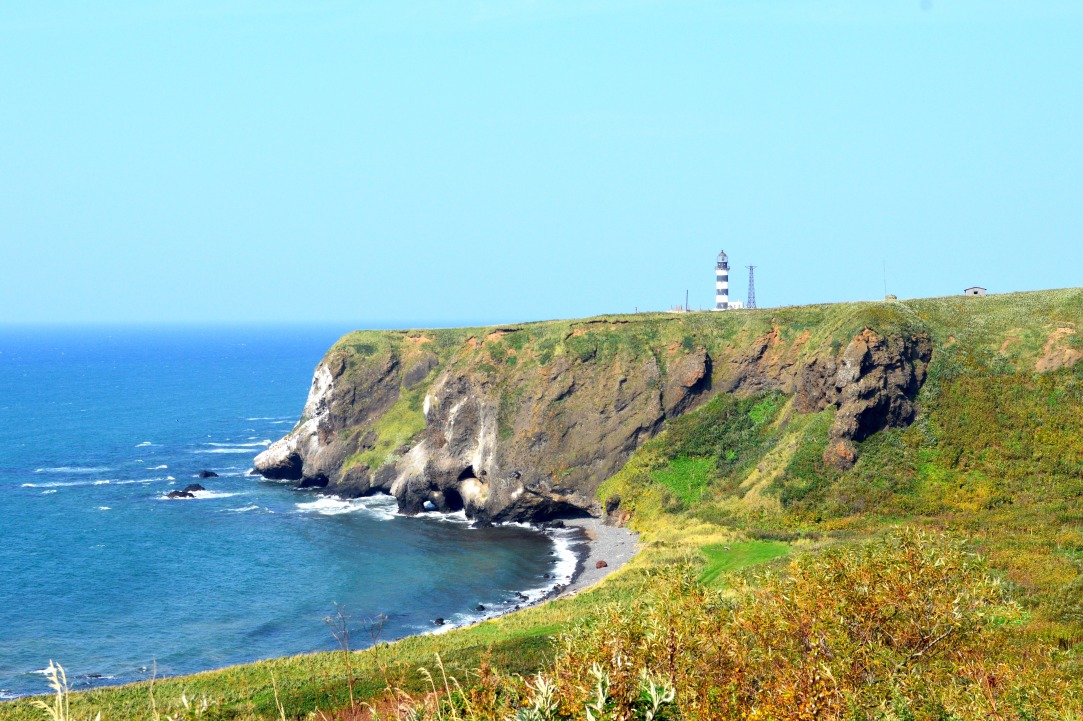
(458, 517)
(207, 495)
(233, 449)
(258, 444)
(564, 569)
(44, 493)
(158, 468)
(243, 509)
(200, 495)
(382, 508)
(144, 444)
(73, 469)
(104, 508)
(6, 695)
(102, 482)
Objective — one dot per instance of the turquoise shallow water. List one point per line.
(100, 573)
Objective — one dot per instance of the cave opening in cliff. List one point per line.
(467, 474)
(453, 501)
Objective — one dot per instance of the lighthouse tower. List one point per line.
(722, 283)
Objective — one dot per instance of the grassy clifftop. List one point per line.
(543, 379)
(940, 576)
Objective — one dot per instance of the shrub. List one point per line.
(907, 626)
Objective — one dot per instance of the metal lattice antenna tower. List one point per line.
(751, 286)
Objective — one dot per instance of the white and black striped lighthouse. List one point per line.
(722, 283)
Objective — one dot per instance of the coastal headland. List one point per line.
(524, 422)
(870, 505)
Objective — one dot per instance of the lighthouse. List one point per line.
(722, 283)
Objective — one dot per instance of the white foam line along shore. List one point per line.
(580, 545)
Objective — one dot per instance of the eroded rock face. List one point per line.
(569, 429)
(313, 453)
(527, 442)
(872, 383)
(877, 381)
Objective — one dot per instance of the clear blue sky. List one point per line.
(408, 162)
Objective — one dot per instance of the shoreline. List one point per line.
(612, 545)
(589, 540)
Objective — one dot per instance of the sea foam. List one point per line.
(101, 482)
(73, 469)
(241, 445)
(382, 508)
(233, 449)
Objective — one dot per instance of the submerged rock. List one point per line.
(207, 474)
(188, 491)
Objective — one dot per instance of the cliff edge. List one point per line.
(524, 422)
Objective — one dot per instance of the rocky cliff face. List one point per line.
(524, 423)
(873, 383)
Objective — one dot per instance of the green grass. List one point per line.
(393, 430)
(687, 478)
(722, 559)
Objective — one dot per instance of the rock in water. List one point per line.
(192, 488)
(180, 494)
(207, 474)
(438, 622)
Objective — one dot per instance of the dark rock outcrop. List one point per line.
(206, 474)
(874, 388)
(872, 383)
(188, 491)
(281, 463)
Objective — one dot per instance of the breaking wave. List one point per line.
(103, 482)
(382, 508)
(258, 444)
(73, 469)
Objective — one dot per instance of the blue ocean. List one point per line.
(103, 574)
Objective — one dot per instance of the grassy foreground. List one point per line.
(939, 578)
